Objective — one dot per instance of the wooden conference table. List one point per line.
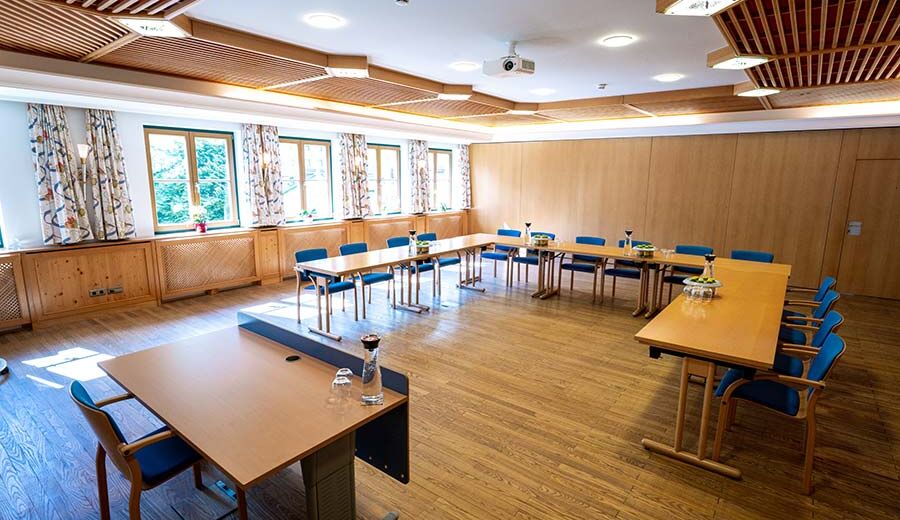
(234, 398)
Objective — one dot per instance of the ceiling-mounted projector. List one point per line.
(511, 65)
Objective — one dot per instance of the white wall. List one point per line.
(19, 214)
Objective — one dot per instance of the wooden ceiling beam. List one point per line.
(108, 48)
(251, 42)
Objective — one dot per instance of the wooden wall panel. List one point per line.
(188, 265)
(690, 186)
(869, 262)
(379, 230)
(292, 239)
(781, 197)
(446, 225)
(496, 187)
(879, 143)
(840, 203)
(13, 299)
(269, 256)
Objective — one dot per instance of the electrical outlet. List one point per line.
(93, 293)
(115, 290)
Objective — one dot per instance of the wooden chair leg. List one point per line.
(134, 501)
(102, 486)
(810, 452)
(198, 476)
(670, 293)
(526, 274)
(613, 295)
(602, 285)
(356, 300)
(241, 504)
(572, 280)
(720, 429)
(594, 298)
(732, 413)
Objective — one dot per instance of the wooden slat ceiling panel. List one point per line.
(506, 120)
(816, 42)
(838, 94)
(701, 106)
(360, 91)
(592, 113)
(126, 7)
(24, 27)
(193, 58)
(446, 108)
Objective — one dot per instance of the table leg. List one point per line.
(407, 305)
(642, 291)
(299, 292)
(470, 280)
(675, 451)
(540, 274)
(654, 297)
(551, 288)
(327, 332)
(242, 504)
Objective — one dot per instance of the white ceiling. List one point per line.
(424, 37)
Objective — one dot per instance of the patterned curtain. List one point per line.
(113, 214)
(64, 219)
(262, 159)
(465, 179)
(354, 176)
(421, 178)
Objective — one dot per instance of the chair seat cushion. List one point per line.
(674, 278)
(493, 255)
(423, 268)
(530, 260)
(789, 335)
(450, 260)
(580, 267)
(623, 273)
(370, 278)
(767, 393)
(337, 287)
(163, 460)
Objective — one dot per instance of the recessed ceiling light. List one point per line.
(759, 92)
(668, 77)
(515, 112)
(617, 40)
(544, 91)
(324, 20)
(695, 7)
(453, 97)
(465, 66)
(741, 62)
(147, 27)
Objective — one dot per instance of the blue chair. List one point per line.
(794, 347)
(442, 262)
(678, 274)
(621, 269)
(502, 253)
(583, 263)
(828, 283)
(752, 256)
(145, 462)
(819, 310)
(782, 394)
(530, 257)
(417, 268)
(328, 285)
(367, 279)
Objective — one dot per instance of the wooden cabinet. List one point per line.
(269, 257)
(13, 300)
(194, 264)
(67, 283)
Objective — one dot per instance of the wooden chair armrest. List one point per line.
(110, 400)
(801, 303)
(782, 344)
(130, 449)
(809, 319)
(799, 327)
(802, 289)
(795, 382)
(800, 351)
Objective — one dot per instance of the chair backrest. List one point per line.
(832, 349)
(693, 250)
(832, 322)
(104, 426)
(309, 255)
(354, 248)
(752, 256)
(398, 242)
(826, 304)
(593, 241)
(507, 233)
(827, 284)
(428, 237)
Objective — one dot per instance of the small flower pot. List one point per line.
(200, 227)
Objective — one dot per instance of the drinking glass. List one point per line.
(707, 294)
(340, 387)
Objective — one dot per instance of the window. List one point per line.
(191, 169)
(384, 178)
(441, 171)
(306, 178)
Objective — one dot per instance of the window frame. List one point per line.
(378, 194)
(432, 154)
(193, 180)
(299, 142)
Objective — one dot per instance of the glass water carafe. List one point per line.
(412, 241)
(628, 248)
(372, 392)
(528, 233)
(708, 270)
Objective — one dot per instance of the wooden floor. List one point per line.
(520, 409)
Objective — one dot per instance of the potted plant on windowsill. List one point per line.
(198, 215)
(308, 216)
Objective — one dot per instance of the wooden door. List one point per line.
(869, 261)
